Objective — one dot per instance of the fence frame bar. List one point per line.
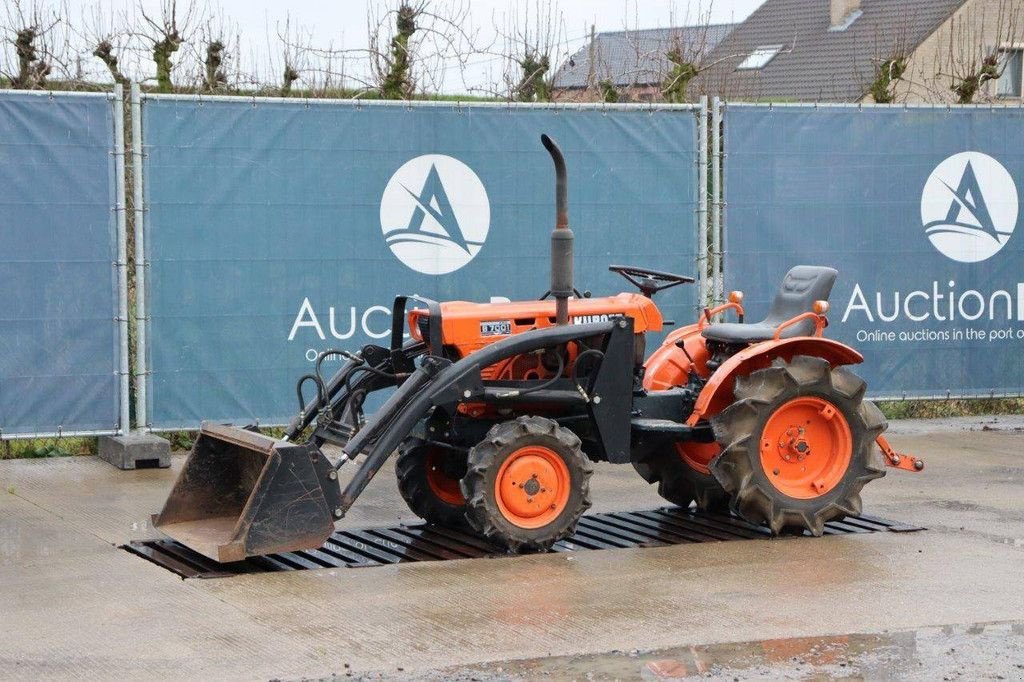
(121, 207)
(414, 104)
(141, 365)
(702, 205)
(717, 198)
(874, 105)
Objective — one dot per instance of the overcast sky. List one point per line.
(343, 24)
(347, 18)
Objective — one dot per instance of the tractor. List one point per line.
(497, 412)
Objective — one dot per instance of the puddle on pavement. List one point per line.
(983, 651)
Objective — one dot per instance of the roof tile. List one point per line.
(817, 64)
(636, 57)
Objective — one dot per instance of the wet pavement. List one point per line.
(73, 605)
(981, 651)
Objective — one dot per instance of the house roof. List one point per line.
(636, 57)
(815, 63)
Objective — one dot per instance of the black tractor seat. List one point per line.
(801, 287)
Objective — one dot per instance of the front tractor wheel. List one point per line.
(428, 480)
(527, 484)
(798, 445)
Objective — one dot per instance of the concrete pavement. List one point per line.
(73, 605)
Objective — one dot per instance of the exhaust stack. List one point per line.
(561, 237)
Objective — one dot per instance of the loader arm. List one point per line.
(244, 494)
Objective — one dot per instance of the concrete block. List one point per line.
(136, 451)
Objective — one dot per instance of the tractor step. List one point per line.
(663, 426)
(421, 542)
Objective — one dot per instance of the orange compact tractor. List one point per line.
(498, 410)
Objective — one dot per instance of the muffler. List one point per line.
(561, 237)
(244, 494)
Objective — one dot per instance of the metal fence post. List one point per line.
(718, 292)
(141, 372)
(702, 203)
(122, 260)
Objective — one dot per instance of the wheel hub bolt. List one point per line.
(792, 445)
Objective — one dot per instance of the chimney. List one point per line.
(841, 11)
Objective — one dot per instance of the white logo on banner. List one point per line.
(435, 214)
(969, 207)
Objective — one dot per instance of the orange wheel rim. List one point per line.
(532, 486)
(441, 484)
(806, 448)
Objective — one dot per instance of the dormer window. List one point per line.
(760, 57)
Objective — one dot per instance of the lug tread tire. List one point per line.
(410, 469)
(485, 459)
(738, 430)
(681, 484)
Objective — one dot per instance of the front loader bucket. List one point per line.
(244, 494)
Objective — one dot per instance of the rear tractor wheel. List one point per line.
(428, 480)
(798, 445)
(527, 484)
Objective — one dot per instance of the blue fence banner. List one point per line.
(59, 326)
(276, 229)
(917, 208)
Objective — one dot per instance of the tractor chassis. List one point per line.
(606, 408)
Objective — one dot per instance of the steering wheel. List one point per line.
(650, 282)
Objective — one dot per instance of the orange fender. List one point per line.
(669, 366)
(717, 392)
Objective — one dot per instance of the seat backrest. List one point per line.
(801, 287)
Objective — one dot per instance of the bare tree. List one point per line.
(292, 56)
(888, 73)
(214, 51)
(661, 62)
(609, 92)
(534, 41)
(31, 33)
(687, 52)
(104, 51)
(889, 61)
(973, 58)
(165, 34)
(604, 81)
(411, 44)
(395, 69)
(105, 33)
(968, 57)
(322, 70)
(215, 77)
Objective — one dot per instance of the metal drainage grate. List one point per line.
(420, 542)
